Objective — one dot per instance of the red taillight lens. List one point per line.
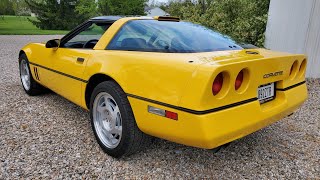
(171, 115)
(217, 84)
(294, 70)
(239, 80)
(302, 68)
(291, 70)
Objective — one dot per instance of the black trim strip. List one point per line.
(58, 72)
(190, 110)
(293, 86)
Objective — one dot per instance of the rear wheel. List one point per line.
(30, 86)
(113, 122)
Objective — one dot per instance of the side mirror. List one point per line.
(54, 43)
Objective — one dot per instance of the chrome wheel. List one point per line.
(25, 74)
(107, 120)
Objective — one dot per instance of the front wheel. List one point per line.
(113, 122)
(30, 86)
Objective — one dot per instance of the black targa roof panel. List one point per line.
(106, 18)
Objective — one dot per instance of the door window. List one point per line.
(88, 37)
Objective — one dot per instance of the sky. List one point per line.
(160, 1)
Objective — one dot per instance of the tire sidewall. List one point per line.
(21, 58)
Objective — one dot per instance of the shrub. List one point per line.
(243, 20)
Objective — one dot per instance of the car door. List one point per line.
(70, 59)
(69, 65)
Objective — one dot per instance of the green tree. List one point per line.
(243, 20)
(20, 7)
(123, 7)
(6, 7)
(55, 15)
(88, 8)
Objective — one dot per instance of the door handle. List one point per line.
(80, 60)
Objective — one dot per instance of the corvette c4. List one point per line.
(141, 77)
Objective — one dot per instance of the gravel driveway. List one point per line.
(49, 137)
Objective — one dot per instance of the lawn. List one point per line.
(20, 25)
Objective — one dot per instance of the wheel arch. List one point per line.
(93, 81)
(20, 53)
(26, 52)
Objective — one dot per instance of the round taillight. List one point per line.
(291, 70)
(239, 80)
(302, 68)
(217, 84)
(294, 69)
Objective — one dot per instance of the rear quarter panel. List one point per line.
(156, 76)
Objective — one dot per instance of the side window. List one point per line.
(89, 37)
(136, 36)
(131, 37)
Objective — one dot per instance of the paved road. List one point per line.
(49, 137)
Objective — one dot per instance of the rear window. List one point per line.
(169, 36)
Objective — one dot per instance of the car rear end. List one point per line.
(230, 95)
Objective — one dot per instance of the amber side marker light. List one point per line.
(217, 84)
(239, 80)
(163, 113)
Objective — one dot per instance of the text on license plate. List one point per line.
(266, 92)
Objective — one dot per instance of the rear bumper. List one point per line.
(217, 128)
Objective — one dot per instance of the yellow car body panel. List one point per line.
(181, 83)
(217, 128)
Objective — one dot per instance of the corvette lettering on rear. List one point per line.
(279, 73)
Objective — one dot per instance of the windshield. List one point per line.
(169, 36)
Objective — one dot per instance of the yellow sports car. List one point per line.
(141, 77)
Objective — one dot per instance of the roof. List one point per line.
(106, 18)
(147, 8)
(115, 18)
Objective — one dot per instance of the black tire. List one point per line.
(219, 148)
(132, 140)
(35, 87)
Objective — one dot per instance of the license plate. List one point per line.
(266, 93)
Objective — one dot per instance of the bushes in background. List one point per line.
(243, 20)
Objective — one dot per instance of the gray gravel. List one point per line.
(49, 137)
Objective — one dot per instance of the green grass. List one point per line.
(20, 25)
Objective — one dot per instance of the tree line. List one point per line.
(66, 14)
(243, 20)
(14, 7)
